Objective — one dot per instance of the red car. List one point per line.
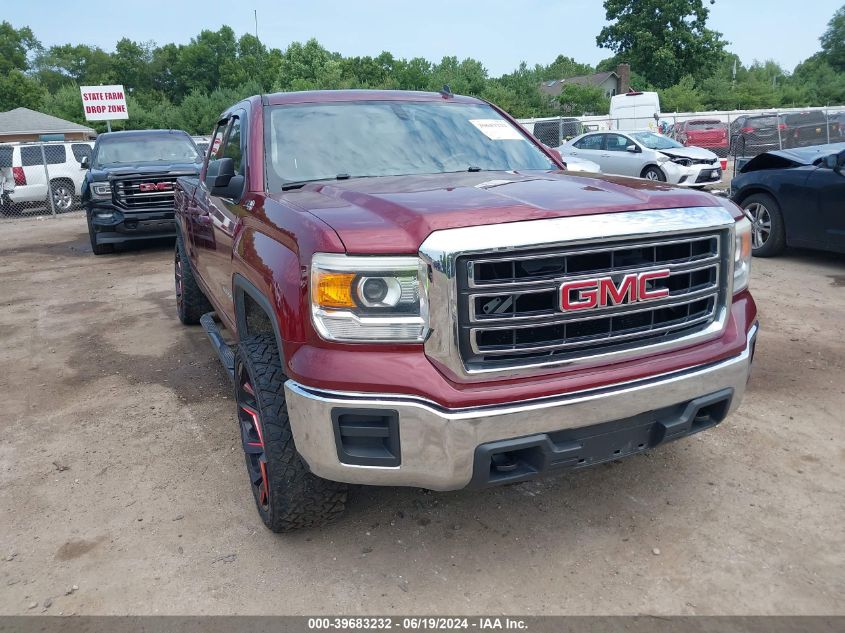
(710, 134)
(408, 290)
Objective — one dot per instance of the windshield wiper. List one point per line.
(298, 184)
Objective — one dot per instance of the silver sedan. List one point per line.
(644, 154)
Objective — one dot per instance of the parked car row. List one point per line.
(751, 134)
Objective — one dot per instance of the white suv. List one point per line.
(24, 183)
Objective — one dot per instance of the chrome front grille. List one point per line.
(495, 302)
(509, 307)
(152, 192)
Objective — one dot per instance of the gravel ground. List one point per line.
(123, 490)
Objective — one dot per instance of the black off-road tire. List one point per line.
(191, 302)
(296, 499)
(98, 249)
(761, 206)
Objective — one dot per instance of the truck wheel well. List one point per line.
(63, 181)
(256, 319)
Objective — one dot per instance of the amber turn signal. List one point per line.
(334, 290)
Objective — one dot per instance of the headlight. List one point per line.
(742, 254)
(683, 162)
(101, 190)
(369, 299)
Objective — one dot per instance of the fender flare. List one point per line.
(242, 287)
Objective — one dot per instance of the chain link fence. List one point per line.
(39, 179)
(735, 136)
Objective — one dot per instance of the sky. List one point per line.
(498, 33)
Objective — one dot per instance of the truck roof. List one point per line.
(124, 133)
(328, 96)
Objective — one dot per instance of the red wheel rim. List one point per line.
(252, 437)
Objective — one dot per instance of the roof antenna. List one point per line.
(260, 57)
(446, 92)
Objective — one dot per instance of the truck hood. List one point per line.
(124, 170)
(394, 214)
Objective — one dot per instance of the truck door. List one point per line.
(217, 219)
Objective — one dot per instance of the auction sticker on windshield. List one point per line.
(497, 129)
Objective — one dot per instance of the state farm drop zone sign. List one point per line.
(104, 103)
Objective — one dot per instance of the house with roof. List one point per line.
(23, 124)
(612, 82)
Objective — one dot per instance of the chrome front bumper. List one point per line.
(438, 446)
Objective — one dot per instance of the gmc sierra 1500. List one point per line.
(128, 188)
(407, 290)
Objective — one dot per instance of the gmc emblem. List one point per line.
(584, 294)
(146, 187)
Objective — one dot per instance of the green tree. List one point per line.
(682, 97)
(131, 64)
(309, 66)
(80, 64)
(413, 74)
(199, 64)
(833, 41)
(824, 85)
(465, 77)
(20, 91)
(518, 95)
(564, 67)
(578, 99)
(15, 47)
(662, 39)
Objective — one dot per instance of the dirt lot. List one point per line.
(123, 490)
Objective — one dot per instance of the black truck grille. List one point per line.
(152, 192)
(510, 308)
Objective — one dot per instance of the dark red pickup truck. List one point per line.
(408, 289)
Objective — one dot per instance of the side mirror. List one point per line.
(222, 180)
(83, 164)
(633, 149)
(219, 173)
(556, 153)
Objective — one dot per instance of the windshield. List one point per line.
(146, 149)
(377, 138)
(654, 141)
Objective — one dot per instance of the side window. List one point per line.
(56, 154)
(216, 147)
(30, 156)
(593, 141)
(616, 143)
(233, 146)
(80, 151)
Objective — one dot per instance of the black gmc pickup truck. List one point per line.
(128, 190)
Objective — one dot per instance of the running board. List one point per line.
(227, 357)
